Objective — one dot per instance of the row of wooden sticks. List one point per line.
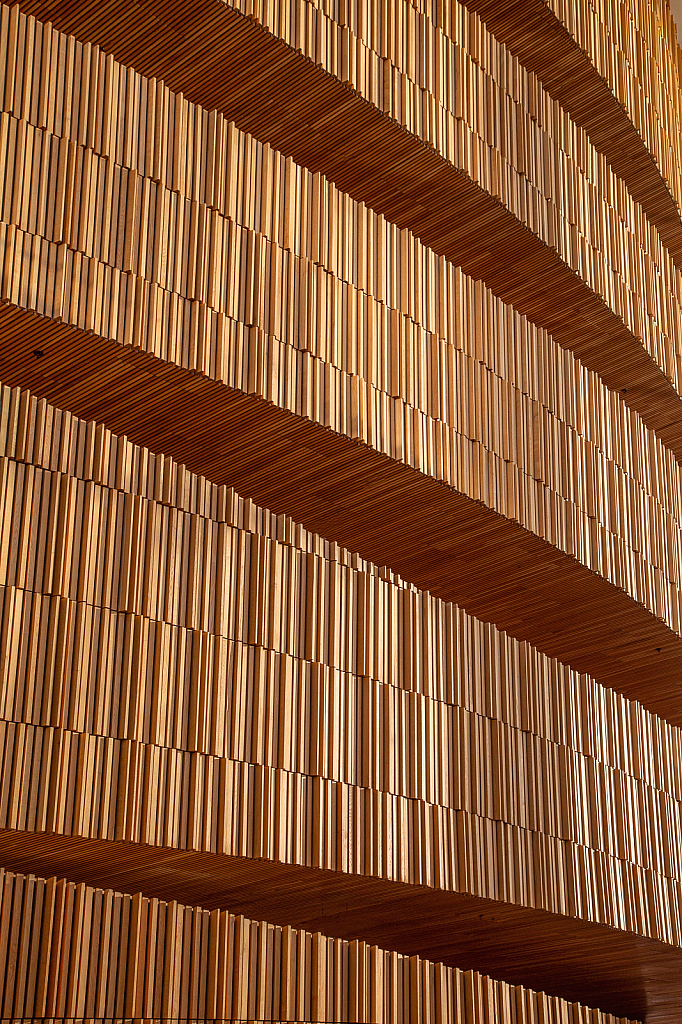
(260, 190)
(405, 40)
(73, 954)
(633, 46)
(205, 257)
(413, 39)
(142, 227)
(645, 565)
(192, 689)
(246, 259)
(78, 786)
(529, 154)
(28, 428)
(255, 186)
(131, 678)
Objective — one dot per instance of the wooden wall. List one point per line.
(602, 62)
(109, 955)
(178, 235)
(458, 89)
(185, 670)
(339, 477)
(310, 112)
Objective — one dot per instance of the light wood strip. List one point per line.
(218, 726)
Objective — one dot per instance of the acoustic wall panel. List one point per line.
(322, 118)
(339, 513)
(604, 63)
(187, 671)
(116, 956)
(284, 293)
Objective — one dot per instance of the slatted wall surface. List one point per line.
(588, 59)
(162, 636)
(457, 88)
(183, 670)
(314, 116)
(114, 956)
(464, 382)
(634, 47)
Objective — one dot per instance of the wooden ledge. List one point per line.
(432, 535)
(543, 44)
(617, 972)
(222, 60)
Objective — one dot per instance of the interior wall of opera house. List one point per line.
(341, 511)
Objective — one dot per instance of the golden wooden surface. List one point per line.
(634, 48)
(455, 87)
(583, 51)
(325, 124)
(184, 670)
(358, 264)
(191, 964)
(464, 379)
(429, 533)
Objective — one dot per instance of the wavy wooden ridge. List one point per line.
(224, 292)
(429, 533)
(219, 745)
(638, 56)
(133, 753)
(412, 698)
(221, 300)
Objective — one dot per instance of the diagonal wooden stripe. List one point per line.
(220, 59)
(533, 33)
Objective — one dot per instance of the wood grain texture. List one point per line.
(348, 484)
(437, 538)
(468, 393)
(577, 53)
(635, 51)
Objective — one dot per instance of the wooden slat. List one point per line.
(591, 962)
(433, 339)
(202, 731)
(246, 443)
